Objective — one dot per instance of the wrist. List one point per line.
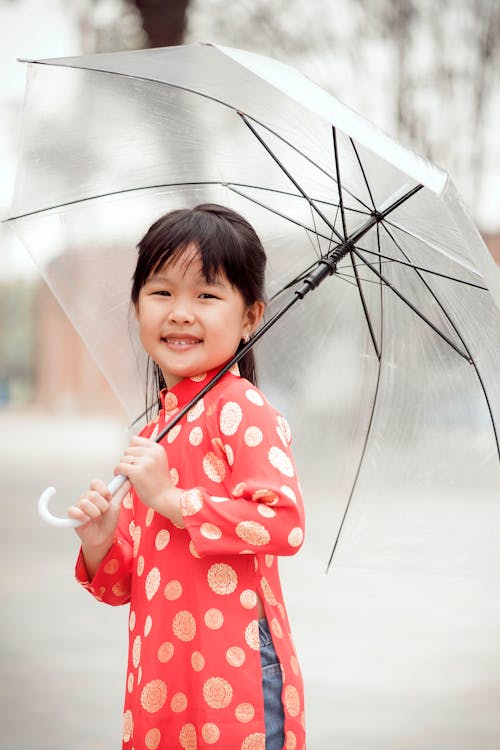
(169, 505)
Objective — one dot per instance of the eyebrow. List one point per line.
(200, 279)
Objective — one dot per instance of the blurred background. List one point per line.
(430, 78)
(429, 75)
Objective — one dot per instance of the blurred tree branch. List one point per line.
(164, 22)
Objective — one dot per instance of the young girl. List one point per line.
(206, 512)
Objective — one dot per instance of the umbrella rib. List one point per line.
(368, 431)
(415, 236)
(409, 264)
(112, 193)
(358, 470)
(360, 163)
(354, 267)
(365, 308)
(289, 175)
(420, 314)
(275, 211)
(339, 180)
(464, 343)
(307, 158)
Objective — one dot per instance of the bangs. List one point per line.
(189, 234)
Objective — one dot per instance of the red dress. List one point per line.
(194, 674)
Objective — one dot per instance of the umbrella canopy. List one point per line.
(387, 370)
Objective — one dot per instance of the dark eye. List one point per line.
(162, 293)
(207, 295)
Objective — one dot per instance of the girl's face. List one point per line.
(188, 325)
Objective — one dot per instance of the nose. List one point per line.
(180, 312)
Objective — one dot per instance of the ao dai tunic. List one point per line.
(194, 674)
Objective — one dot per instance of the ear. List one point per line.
(253, 316)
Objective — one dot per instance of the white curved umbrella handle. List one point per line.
(69, 523)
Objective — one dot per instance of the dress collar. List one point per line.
(182, 393)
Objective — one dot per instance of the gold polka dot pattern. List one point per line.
(165, 652)
(174, 433)
(153, 739)
(222, 578)
(244, 712)
(197, 661)
(210, 733)
(152, 584)
(230, 418)
(235, 656)
(253, 436)
(196, 436)
(248, 599)
(196, 412)
(153, 696)
(184, 626)
(214, 467)
(268, 594)
(295, 537)
(191, 502)
(179, 702)
(214, 619)
(187, 737)
(217, 692)
(210, 531)
(292, 700)
(140, 565)
(162, 539)
(170, 401)
(266, 511)
(265, 496)
(111, 567)
(252, 635)
(193, 587)
(256, 741)
(127, 501)
(136, 651)
(173, 590)
(253, 533)
(128, 726)
(254, 397)
(276, 628)
(279, 459)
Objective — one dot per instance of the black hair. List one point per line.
(225, 241)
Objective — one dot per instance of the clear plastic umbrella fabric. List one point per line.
(387, 372)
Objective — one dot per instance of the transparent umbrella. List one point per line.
(386, 361)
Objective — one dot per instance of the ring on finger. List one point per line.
(131, 459)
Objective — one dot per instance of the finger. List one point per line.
(99, 486)
(77, 514)
(121, 493)
(140, 442)
(89, 508)
(125, 466)
(98, 500)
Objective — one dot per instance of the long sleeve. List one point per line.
(111, 583)
(251, 500)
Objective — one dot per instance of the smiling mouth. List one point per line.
(180, 341)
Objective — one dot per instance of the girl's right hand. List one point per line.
(99, 513)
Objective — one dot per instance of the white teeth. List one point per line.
(181, 342)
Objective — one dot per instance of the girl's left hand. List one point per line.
(145, 463)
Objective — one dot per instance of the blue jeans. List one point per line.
(272, 684)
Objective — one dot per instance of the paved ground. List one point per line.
(392, 661)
